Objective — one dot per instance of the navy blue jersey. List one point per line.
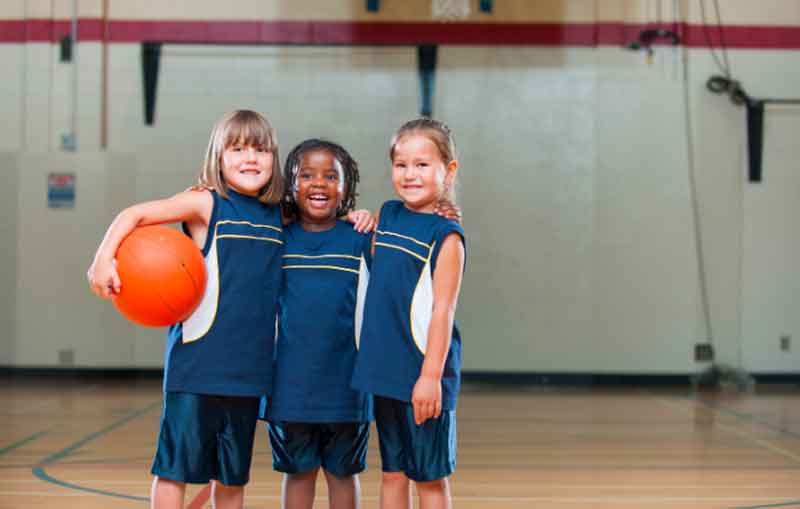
(226, 346)
(399, 304)
(325, 278)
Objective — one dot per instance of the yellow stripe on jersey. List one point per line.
(320, 267)
(248, 223)
(412, 253)
(412, 239)
(321, 256)
(235, 236)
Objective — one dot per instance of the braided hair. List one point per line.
(341, 157)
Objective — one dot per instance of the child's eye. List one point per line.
(332, 177)
(261, 149)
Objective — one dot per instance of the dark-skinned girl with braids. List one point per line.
(315, 419)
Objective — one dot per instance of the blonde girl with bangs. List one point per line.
(250, 129)
(218, 362)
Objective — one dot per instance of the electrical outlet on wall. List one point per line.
(704, 352)
(785, 342)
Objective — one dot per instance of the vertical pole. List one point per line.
(72, 143)
(104, 80)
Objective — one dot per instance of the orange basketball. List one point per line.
(163, 276)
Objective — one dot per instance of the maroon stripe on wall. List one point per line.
(43, 30)
(12, 31)
(744, 36)
(379, 33)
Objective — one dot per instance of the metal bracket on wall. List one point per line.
(755, 119)
(65, 49)
(426, 66)
(151, 58)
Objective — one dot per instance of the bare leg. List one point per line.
(298, 490)
(434, 494)
(166, 494)
(203, 496)
(227, 497)
(395, 491)
(343, 492)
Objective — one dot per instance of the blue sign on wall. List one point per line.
(61, 190)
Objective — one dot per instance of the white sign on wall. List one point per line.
(61, 190)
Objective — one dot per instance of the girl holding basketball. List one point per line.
(218, 362)
(410, 352)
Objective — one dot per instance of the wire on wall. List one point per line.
(699, 250)
(723, 64)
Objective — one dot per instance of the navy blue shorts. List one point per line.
(338, 447)
(424, 453)
(206, 437)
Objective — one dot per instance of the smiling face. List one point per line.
(318, 189)
(419, 175)
(246, 168)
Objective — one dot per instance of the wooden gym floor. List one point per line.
(88, 443)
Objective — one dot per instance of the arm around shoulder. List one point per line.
(374, 234)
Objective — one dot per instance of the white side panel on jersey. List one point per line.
(198, 324)
(422, 309)
(361, 294)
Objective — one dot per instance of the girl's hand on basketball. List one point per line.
(448, 210)
(426, 398)
(103, 279)
(362, 220)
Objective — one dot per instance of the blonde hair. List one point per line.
(250, 128)
(440, 135)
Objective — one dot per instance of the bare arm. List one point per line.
(193, 207)
(374, 234)
(362, 220)
(427, 394)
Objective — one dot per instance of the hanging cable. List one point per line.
(721, 31)
(695, 203)
(723, 64)
(726, 85)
